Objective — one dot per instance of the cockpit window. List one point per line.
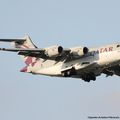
(118, 45)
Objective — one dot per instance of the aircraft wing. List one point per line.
(82, 69)
(26, 47)
(36, 52)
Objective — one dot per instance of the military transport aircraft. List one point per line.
(78, 62)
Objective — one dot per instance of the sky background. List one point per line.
(68, 23)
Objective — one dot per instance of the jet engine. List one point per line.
(53, 51)
(79, 51)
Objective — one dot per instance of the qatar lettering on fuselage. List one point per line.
(101, 50)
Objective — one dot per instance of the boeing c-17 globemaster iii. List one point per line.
(77, 62)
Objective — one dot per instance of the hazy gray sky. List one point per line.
(68, 23)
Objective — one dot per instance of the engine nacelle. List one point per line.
(53, 51)
(77, 52)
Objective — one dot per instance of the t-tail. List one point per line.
(22, 43)
(25, 42)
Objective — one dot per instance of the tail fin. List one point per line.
(25, 42)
